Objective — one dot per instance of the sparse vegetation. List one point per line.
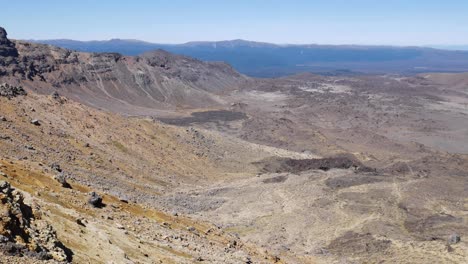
(120, 146)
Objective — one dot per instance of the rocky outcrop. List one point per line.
(7, 48)
(95, 200)
(8, 55)
(11, 91)
(22, 233)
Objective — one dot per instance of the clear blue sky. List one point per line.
(396, 22)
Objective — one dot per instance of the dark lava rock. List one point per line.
(4, 239)
(62, 179)
(342, 161)
(277, 179)
(80, 222)
(33, 64)
(95, 200)
(7, 48)
(354, 243)
(123, 199)
(5, 137)
(13, 249)
(16, 249)
(3, 33)
(454, 239)
(55, 95)
(35, 122)
(10, 91)
(56, 166)
(205, 117)
(29, 147)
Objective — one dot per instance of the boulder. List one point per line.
(56, 166)
(62, 179)
(35, 122)
(95, 200)
(55, 95)
(454, 239)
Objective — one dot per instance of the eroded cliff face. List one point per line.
(7, 48)
(155, 80)
(8, 54)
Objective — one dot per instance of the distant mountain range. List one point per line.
(272, 60)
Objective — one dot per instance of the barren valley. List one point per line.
(161, 158)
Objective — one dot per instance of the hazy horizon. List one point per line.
(435, 46)
(363, 22)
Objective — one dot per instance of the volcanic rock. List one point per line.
(95, 200)
(10, 91)
(155, 79)
(35, 122)
(56, 166)
(454, 239)
(62, 179)
(7, 48)
(21, 233)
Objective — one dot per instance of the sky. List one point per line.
(373, 22)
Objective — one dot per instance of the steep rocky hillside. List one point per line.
(185, 194)
(154, 80)
(56, 152)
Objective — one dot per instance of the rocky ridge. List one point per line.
(154, 80)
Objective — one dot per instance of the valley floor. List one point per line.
(300, 170)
